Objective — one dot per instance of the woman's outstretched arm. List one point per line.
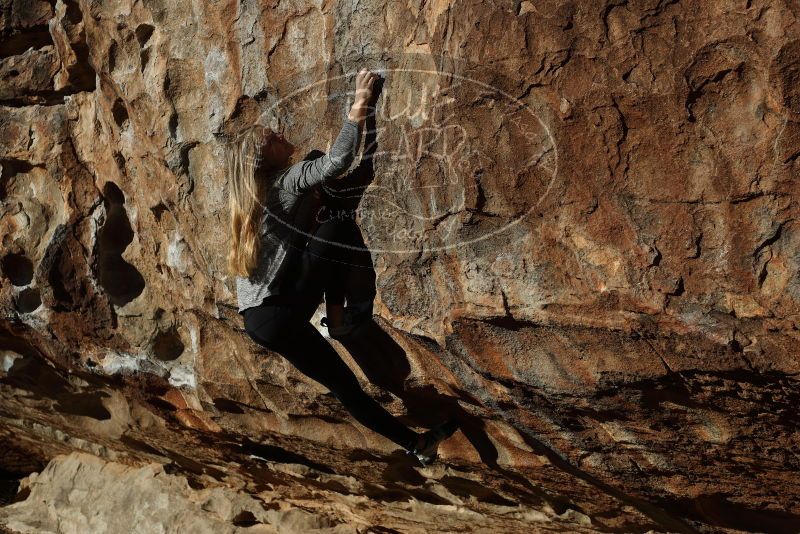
(306, 174)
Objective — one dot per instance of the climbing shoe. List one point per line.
(427, 452)
(354, 316)
(340, 333)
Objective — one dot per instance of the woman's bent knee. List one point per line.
(267, 326)
(268, 343)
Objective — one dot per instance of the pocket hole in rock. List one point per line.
(245, 519)
(143, 34)
(17, 268)
(121, 280)
(120, 113)
(167, 345)
(28, 300)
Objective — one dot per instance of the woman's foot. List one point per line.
(334, 315)
(350, 318)
(427, 444)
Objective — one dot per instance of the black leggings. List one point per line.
(282, 323)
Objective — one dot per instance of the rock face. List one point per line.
(583, 218)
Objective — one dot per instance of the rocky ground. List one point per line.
(583, 223)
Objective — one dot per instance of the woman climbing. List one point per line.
(285, 262)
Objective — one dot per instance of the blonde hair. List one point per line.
(242, 158)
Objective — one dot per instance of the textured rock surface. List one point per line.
(584, 224)
(83, 493)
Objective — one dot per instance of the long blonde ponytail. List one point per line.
(242, 159)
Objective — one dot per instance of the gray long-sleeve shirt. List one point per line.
(288, 215)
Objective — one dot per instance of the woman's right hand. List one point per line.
(365, 81)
